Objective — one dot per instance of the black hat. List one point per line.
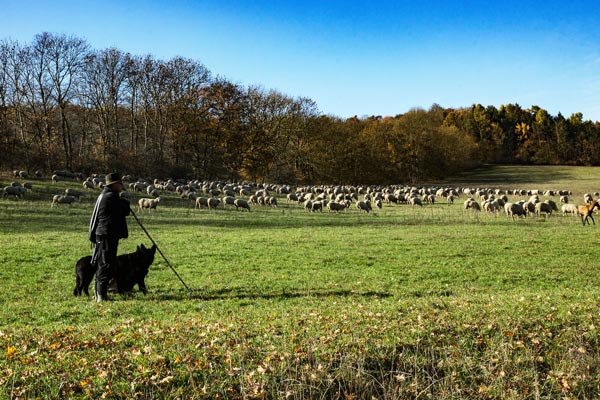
(113, 178)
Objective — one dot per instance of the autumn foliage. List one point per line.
(64, 105)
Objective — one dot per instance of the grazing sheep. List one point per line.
(241, 203)
(316, 206)
(308, 205)
(28, 186)
(17, 191)
(513, 209)
(378, 203)
(228, 200)
(450, 199)
(390, 198)
(292, 197)
(56, 178)
(213, 203)
(202, 202)
(60, 199)
(491, 206)
(543, 208)
(73, 192)
(271, 201)
(588, 198)
(570, 209)
(415, 201)
(529, 206)
(471, 204)
(552, 204)
(88, 184)
(148, 203)
(564, 199)
(364, 206)
(334, 206)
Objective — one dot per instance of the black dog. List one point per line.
(131, 269)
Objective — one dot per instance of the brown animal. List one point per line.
(585, 211)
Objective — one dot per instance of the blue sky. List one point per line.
(355, 57)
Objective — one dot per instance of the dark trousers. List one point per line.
(107, 264)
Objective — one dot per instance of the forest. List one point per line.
(65, 105)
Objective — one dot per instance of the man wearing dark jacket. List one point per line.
(107, 226)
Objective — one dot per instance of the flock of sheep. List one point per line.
(213, 195)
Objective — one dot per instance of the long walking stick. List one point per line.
(161, 253)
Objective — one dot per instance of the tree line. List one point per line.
(64, 105)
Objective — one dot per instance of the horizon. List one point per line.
(354, 59)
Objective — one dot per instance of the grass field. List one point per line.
(403, 303)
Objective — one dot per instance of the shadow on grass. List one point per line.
(513, 175)
(235, 294)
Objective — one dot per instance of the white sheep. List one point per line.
(335, 206)
(471, 204)
(60, 199)
(543, 207)
(316, 206)
(201, 202)
(272, 201)
(364, 206)
(148, 203)
(73, 192)
(513, 209)
(569, 209)
(228, 200)
(241, 203)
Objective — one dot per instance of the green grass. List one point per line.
(432, 302)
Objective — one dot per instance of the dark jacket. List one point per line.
(108, 218)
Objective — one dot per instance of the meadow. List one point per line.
(402, 303)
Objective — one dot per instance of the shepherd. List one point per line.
(107, 226)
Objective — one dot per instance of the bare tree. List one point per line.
(65, 56)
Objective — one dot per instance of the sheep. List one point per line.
(390, 198)
(588, 198)
(73, 192)
(415, 201)
(450, 199)
(292, 197)
(316, 206)
(17, 191)
(213, 203)
(272, 201)
(471, 204)
(529, 206)
(364, 206)
(241, 203)
(491, 206)
(28, 187)
(228, 200)
(378, 203)
(202, 202)
(148, 203)
(334, 206)
(564, 199)
(569, 209)
(543, 208)
(88, 184)
(60, 199)
(513, 209)
(308, 205)
(552, 204)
